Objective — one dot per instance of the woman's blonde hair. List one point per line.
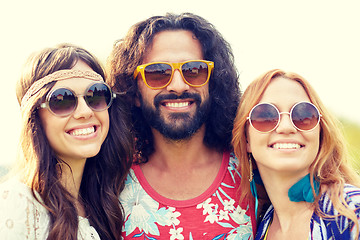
(331, 166)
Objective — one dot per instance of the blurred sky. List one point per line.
(320, 40)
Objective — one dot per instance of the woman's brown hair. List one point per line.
(104, 174)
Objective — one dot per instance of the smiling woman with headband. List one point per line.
(75, 152)
(284, 131)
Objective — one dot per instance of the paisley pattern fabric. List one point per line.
(339, 227)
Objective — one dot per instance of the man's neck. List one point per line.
(182, 170)
(182, 153)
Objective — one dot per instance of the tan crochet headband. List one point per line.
(58, 76)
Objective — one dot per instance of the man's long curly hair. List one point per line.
(224, 89)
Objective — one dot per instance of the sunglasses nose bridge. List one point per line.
(176, 69)
(176, 66)
(177, 82)
(285, 125)
(280, 113)
(82, 108)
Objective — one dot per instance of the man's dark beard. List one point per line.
(188, 126)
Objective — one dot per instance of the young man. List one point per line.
(182, 88)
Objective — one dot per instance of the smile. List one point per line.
(177, 104)
(286, 146)
(82, 132)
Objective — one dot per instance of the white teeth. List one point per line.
(83, 131)
(177, 104)
(286, 146)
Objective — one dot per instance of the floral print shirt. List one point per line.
(336, 228)
(215, 214)
(23, 217)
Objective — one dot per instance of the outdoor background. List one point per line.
(317, 39)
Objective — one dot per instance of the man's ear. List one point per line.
(137, 99)
(138, 94)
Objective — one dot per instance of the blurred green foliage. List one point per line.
(352, 135)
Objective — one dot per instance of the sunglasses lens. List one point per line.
(305, 116)
(62, 102)
(264, 117)
(158, 75)
(98, 97)
(195, 73)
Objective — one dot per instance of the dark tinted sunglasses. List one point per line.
(157, 75)
(63, 101)
(265, 117)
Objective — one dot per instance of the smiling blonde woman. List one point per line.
(284, 131)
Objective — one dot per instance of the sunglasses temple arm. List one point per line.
(115, 94)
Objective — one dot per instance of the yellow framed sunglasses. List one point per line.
(157, 75)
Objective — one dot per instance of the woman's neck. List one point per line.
(291, 219)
